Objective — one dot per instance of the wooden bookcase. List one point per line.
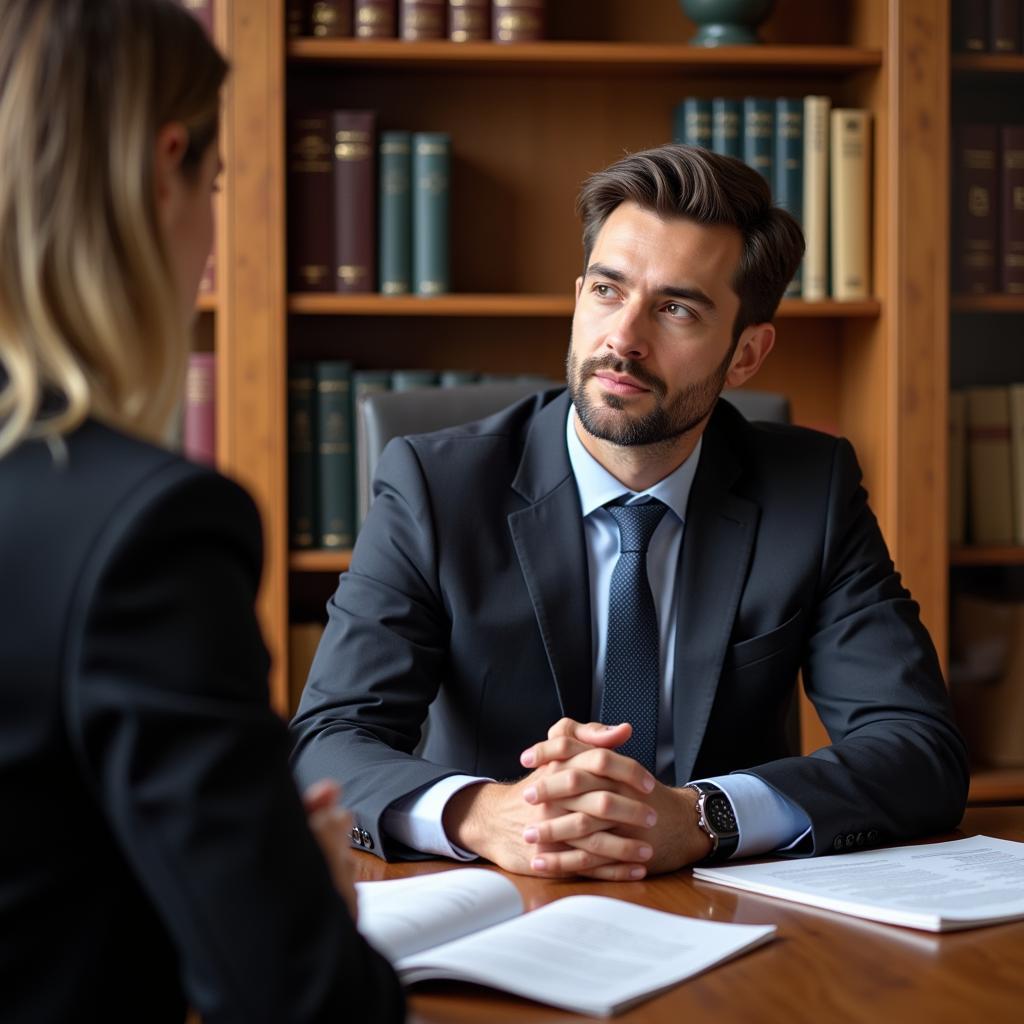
(984, 330)
(528, 122)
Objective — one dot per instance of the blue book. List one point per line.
(691, 122)
(335, 463)
(789, 166)
(431, 170)
(394, 248)
(759, 135)
(727, 127)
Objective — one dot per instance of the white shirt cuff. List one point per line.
(766, 820)
(416, 820)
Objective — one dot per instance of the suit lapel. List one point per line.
(717, 545)
(548, 538)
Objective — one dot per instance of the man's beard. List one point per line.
(670, 418)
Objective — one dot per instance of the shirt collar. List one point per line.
(597, 486)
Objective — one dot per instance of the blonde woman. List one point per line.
(155, 851)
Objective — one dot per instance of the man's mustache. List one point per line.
(625, 366)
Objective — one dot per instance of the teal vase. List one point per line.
(726, 22)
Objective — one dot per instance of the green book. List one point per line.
(759, 135)
(394, 246)
(364, 383)
(691, 122)
(727, 127)
(335, 464)
(431, 170)
(407, 380)
(789, 166)
(302, 531)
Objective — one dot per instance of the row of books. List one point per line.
(818, 163)
(326, 499)
(995, 26)
(986, 465)
(504, 21)
(988, 208)
(367, 211)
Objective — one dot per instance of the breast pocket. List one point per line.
(765, 645)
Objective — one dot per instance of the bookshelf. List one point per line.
(528, 122)
(984, 330)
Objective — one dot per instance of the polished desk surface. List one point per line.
(822, 967)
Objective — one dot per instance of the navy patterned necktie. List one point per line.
(632, 671)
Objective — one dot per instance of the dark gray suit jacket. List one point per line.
(154, 848)
(469, 584)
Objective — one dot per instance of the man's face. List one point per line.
(652, 332)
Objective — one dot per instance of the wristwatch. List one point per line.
(715, 818)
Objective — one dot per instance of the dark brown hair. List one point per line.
(706, 187)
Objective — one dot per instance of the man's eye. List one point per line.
(674, 309)
(604, 291)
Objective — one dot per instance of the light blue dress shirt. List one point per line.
(766, 820)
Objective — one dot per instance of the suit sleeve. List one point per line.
(897, 766)
(381, 659)
(168, 712)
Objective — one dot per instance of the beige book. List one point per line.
(850, 133)
(303, 640)
(815, 219)
(957, 467)
(1017, 459)
(988, 462)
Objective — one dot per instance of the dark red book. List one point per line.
(1011, 187)
(199, 430)
(1003, 26)
(354, 136)
(375, 19)
(330, 19)
(421, 19)
(202, 11)
(974, 208)
(295, 19)
(518, 21)
(970, 26)
(310, 203)
(469, 20)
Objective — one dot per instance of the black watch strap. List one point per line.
(716, 819)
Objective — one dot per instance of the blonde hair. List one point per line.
(90, 318)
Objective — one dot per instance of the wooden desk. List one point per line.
(823, 967)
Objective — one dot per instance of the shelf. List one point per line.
(996, 785)
(629, 58)
(995, 303)
(325, 304)
(969, 64)
(319, 561)
(986, 554)
(206, 302)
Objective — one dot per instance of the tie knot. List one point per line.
(637, 523)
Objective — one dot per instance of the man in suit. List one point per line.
(632, 551)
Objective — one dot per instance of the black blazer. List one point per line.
(154, 844)
(468, 584)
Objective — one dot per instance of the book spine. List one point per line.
(330, 19)
(302, 528)
(199, 431)
(1016, 399)
(758, 135)
(431, 159)
(814, 273)
(989, 465)
(364, 384)
(692, 122)
(410, 380)
(517, 21)
(310, 204)
(789, 167)
(421, 19)
(395, 198)
(975, 178)
(1003, 26)
(970, 26)
(295, 19)
(202, 11)
(375, 19)
(354, 138)
(334, 463)
(469, 20)
(726, 127)
(1012, 188)
(851, 204)
(957, 467)
(457, 378)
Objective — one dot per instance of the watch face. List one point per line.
(719, 814)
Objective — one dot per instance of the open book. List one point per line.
(589, 954)
(938, 887)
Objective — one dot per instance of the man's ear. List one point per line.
(755, 343)
(579, 287)
(168, 152)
